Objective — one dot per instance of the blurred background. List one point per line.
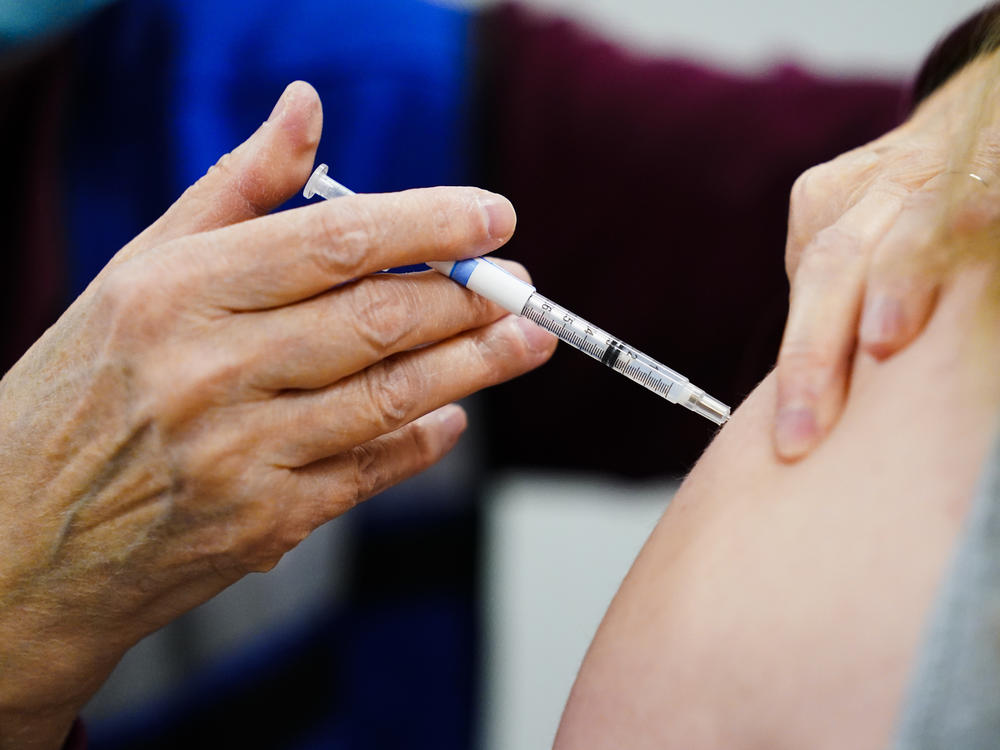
(845, 37)
(649, 148)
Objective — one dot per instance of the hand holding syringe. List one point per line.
(520, 298)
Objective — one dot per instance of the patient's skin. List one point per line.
(781, 605)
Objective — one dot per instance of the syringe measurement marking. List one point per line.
(571, 336)
(646, 378)
(569, 333)
(610, 354)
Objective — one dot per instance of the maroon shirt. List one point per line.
(652, 199)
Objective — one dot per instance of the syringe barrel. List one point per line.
(605, 348)
(520, 298)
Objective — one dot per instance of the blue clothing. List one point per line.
(166, 87)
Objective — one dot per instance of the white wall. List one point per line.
(841, 35)
(558, 548)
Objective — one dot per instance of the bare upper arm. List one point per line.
(780, 605)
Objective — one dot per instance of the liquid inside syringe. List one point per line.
(519, 297)
(622, 358)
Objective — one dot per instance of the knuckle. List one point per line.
(345, 239)
(218, 477)
(211, 378)
(172, 356)
(238, 530)
(263, 549)
(391, 387)
(464, 308)
(264, 533)
(368, 472)
(273, 537)
(132, 306)
(264, 563)
(496, 356)
(383, 312)
(810, 187)
(124, 287)
(809, 193)
(378, 464)
(482, 308)
(840, 180)
(260, 522)
(422, 445)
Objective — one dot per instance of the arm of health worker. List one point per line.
(229, 382)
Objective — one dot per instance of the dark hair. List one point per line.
(977, 36)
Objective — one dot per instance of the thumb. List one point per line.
(257, 176)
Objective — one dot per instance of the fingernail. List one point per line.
(795, 431)
(280, 105)
(452, 419)
(500, 216)
(882, 319)
(537, 338)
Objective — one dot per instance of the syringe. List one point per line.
(520, 298)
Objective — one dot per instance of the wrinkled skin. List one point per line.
(860, 228)
(227, 384)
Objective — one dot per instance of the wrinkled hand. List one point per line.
(862, 231)
(228, 383)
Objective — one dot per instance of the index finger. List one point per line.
(293, 255)
(819, 337)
